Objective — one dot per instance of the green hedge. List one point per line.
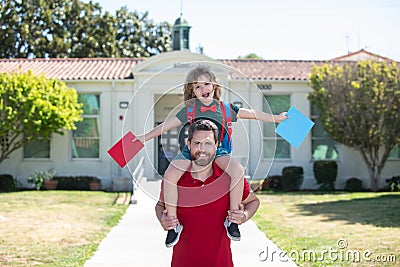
(275, 182)
(325, 172)
(394, 184)
(354, 184)
(74, 182)
(7, 183)
(292, 178)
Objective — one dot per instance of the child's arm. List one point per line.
(160, 129)
(253, 114)
(167, 222)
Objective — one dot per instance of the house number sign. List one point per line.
(265, 86)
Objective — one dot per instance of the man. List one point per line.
(204, 200)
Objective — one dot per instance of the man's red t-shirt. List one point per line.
(202, 209)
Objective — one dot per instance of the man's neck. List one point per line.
(201, 172)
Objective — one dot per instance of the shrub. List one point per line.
(266, 184)
(394, 184)
(275, 182)
(74, 182)
(38, 178)
(325, 172)
(256, 185)
(7, 183)
(292, 178)
(353, 184)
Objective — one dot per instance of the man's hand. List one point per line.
(168, 222)
(237, 216)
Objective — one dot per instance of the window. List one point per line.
(395, 153)
(86, 139)
(322, 145)
(277, 104)
(37, 150)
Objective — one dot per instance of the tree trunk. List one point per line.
(374, 177)
(373, 169)
(375, 163)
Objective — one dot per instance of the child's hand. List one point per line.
(168, 222)
(281, 117)
(139, 138)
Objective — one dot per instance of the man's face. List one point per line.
(202, 147)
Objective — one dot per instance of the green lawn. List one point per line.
(64, 228)
(333, 229)
(54, 228)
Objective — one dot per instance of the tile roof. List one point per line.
(75, 68)
(121, 68)
(259, 69)
(363, 55)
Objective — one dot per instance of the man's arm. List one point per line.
(247, 209)
(167, 222)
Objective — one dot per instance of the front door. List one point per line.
(167, 149)
(169, 145)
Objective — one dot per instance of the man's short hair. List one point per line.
(203, 125)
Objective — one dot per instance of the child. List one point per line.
(202, 100)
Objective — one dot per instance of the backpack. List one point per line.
(225, 135)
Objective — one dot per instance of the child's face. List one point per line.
(204, 90)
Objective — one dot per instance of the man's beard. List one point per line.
(203, 161)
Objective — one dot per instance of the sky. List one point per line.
(280, 29)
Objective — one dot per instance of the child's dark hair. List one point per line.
(193, 76)
(203, 125)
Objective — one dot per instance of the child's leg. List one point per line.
(171, 177)
(236, 172)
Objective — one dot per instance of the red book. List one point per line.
(124, 150)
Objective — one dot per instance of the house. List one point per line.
(126, 94)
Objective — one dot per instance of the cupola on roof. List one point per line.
(180, 34)
(181, 21)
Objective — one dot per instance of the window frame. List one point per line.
(396, 149)
(276, 137)
(99, 123)
(315, 119)
(37, 158)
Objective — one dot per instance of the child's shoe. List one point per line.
(173, 236)
(232, 230)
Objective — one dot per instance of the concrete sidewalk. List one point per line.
(138, 240)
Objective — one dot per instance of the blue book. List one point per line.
(295, 128)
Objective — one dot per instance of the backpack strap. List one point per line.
(191, 113)
(226, 109)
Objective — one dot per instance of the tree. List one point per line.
(87, 31)
(9, 29)
(359, 106)
(73, 28)
(251, 56)
(32, 108)
(138, 36)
